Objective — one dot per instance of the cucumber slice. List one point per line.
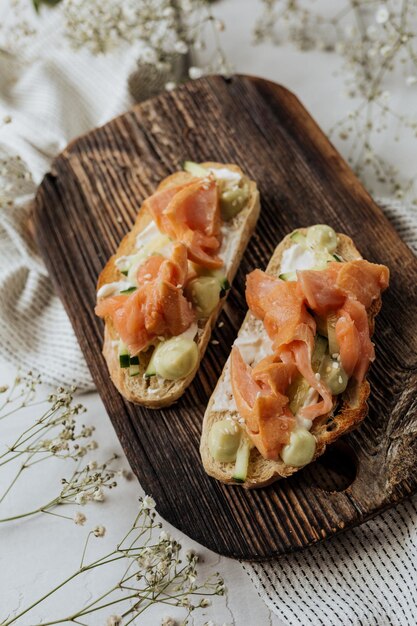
(298, 237)
(134, 360)
(337, 258)
(242, 460)
(151, 370)
(195, 169)
(129, 290)
(224, 283)
(134, 370)
(124, 272)
(224, 287)
(289, 276)
(331, 333)
(124, 359)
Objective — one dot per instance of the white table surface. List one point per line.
(35, 553)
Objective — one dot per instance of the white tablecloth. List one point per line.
(35, 553)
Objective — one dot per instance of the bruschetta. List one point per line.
(295, 380)
(161, 292)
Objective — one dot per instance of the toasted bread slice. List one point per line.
(346, 415)
(154, 392)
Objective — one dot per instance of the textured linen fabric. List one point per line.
(364, 577)
(51, 99)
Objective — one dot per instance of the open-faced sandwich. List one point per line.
(162, 291)
(296, 377)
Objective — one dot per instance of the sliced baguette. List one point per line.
(154, 392)
(346, 415)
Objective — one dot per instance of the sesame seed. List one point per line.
(221, 324)
(335, 366)
(214, 342)
(335, 355)
(147, 276)
(179, 286)
(340, 379)
(317, 376)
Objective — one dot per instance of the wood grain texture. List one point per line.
(87, 203)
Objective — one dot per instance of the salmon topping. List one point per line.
(190, 213)
(157, 307)
(261, 401)
(288, 310)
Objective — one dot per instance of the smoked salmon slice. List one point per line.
(281, 306)
(263, 407)
(157, 307)
(190, 213)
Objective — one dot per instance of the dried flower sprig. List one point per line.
(377, 41)
(55, 434)
(155, 571)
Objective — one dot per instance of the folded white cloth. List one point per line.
(364, 577)
(51, 98)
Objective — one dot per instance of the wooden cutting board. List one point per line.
(87, 203)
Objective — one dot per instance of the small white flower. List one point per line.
(81, 497)
(80, 519)
(204, 603)
(164, 536)
(149, 56)
(148, 503)
(410, 80)
(98, 495)
(170, 85)
(181, 47)
(99, 531)
(385, 50)
(114, 620)
(382, 15)
(7, 119)
(168, 621)
(195, 72)
(92, 465)
(92, 445)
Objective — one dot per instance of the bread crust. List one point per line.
(151, 392)
(344, 417)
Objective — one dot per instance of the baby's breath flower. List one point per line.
(181, 47)
(168, 621)
(195, 72)
(81, 497)
(80, 518)
(98, 495)
(148, 503)
(7, 119)
(99, 531)
(382, 15)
